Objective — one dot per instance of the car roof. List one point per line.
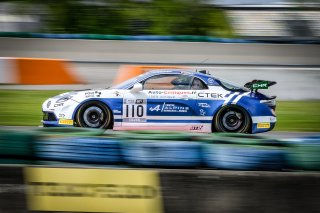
(178, 71)
(154, 72)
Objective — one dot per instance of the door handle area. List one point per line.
(185, 97)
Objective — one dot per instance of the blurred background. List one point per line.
(49, 47)
(259, 19)
(95, 42)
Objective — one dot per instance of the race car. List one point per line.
(170, 99)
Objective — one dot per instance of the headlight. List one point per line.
(63, 99)
(48, 104)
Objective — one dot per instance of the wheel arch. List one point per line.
(75, 112)
(213, 129)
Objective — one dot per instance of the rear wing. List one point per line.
(259, 84)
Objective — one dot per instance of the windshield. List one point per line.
(126, 84)
(231, 86)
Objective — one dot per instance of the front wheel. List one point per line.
(232, 119)
(94, 114)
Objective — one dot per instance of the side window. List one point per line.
(168, 82)
(197, 84)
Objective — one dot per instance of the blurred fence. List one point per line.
(159, 149)
(195, 188)
(191, 167)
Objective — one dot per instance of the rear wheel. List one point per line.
(232, 119)
(94, 114)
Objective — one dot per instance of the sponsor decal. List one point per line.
(116, 93)
(174, 108)
(263, 125)
(58, 105)
(196, 128)
(210, 95)
(155, 92)
(93, 190)
(61, 115)
(92, 94)
(169, 108)
(163, 96)
(97, 93)
(210, 81)
(202, 112)
(89, 94)
(129, 101)
(135, 120)
(260, 85)
(139, 101)
(156, 108)
(171, 92)
(66, 121)
(204, 105)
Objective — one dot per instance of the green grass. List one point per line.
(23, 108)
(298, 116)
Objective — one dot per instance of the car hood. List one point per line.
(78, 96)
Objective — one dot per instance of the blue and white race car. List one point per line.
(167, 100)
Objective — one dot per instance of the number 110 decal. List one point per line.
(134, 110)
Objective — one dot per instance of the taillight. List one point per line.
(271, 103)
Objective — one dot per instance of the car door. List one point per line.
(166, 102)
(171, 102)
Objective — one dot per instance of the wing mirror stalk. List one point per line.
(136, 88)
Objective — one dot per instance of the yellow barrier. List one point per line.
(93, 190)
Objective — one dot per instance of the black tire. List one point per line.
(94, 114)
(232, 119)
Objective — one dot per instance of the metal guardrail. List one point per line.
(183, 38)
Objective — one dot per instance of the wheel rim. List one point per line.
(232, 120)
(94, 117)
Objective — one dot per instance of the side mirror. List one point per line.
(136, 88)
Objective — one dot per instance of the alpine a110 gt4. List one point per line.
(172, 99)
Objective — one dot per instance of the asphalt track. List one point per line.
(293, 83)
(162, 52)
(295, 67)
(272, 134)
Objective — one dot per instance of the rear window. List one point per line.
(231, 86)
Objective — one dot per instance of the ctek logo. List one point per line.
(210, 95)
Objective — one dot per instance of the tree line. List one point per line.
(129, 17)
